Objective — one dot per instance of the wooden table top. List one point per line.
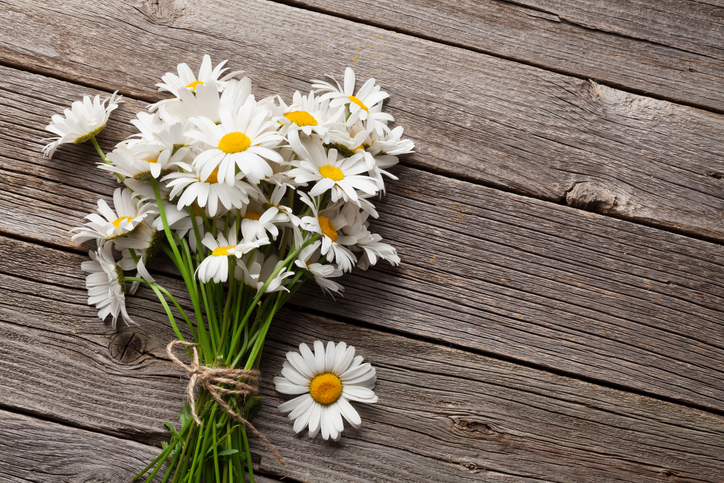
(558, 314)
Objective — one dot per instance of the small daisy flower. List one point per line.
(327, 223)
(311, 115)
(142, 162)
(366, 105)
(209, 193)
(130, 212)
(369, 243)
(216, 266)
(327, 381)
(255, 271)
(308, 259)
(105, 284)
(256, 225)
(186, 81)
(331, 172)
(245, 140)
(84, 120)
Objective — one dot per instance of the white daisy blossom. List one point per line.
(255, 272)
(310, 115)
(256, 225)
(331, 172)
(82, 121)
(142, 162)
(327, 381)
(369, 243)
(210, 193)
(186, 81)
(308, 260)
(113, 224)
(245, 140)
(205, 101)
(327, 223)
(366, 105)
(216, 266)
(105, 284)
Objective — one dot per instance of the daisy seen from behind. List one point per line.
(105, 284)
(82, 122)
(326, 381)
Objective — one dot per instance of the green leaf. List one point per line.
(252, 407)
(227, 452)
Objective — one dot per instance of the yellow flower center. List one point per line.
(234, 142)
(325, 388)
(117, 222)
(358, 102)
(252, 216)
(222, 251)
(212, 177)
(154, 160)
(328, 228)
(193, 85)
(301, 118)
(331, 172)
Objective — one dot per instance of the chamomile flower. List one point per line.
(84, 120)
(142, 162)
(327, 381)
(216, 266)
(129, 213)
(245, 139)
(370, 244)
(308, 259)
(255, 271)
(327, 223)
(105, 284)
(366, 105)
(186, 81)
(310, 115)
(209, 193)
(331, 172)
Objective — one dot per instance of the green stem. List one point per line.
(103, 157)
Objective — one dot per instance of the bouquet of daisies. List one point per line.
(249, 198)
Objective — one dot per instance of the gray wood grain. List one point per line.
(39, 451)
(443, 414)
(472, 116)
(672, 49)
(505, 274)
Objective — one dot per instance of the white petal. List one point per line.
(349, 413)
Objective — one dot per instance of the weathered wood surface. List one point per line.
(443, 414)
(33, 450)
(671, 49)
(471, 115)
(490, 271)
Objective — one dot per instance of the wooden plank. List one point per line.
(472, 116)
(671, 49)
(33, 450)
(537, 282)
(443, 413)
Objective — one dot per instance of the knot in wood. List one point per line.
(127, 346)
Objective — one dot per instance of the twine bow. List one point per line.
(209, 378)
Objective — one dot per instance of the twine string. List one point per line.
(209, 378)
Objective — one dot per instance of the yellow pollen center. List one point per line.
(154, 160)
(328, 228)
(221, 251)
(234, 142)
(301, 118)
(212, 177)
(252, 216)
(358, 102)
(325, 388)
(118, 221)
(193, 85)
(331, 172)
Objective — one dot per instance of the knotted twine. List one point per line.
(209, 377)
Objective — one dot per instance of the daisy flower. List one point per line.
(142, 162)
(308, 259)
(310, 114)
(369, 243)
(130, 212)
(105, 284)
(331, 172)
(205, 101)
(366, 105)
(327, 223)
(216, 266)
(84, 120)
(208, 193)
(244, 139)
(255, 272)
(186, 81)
(327, 381)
